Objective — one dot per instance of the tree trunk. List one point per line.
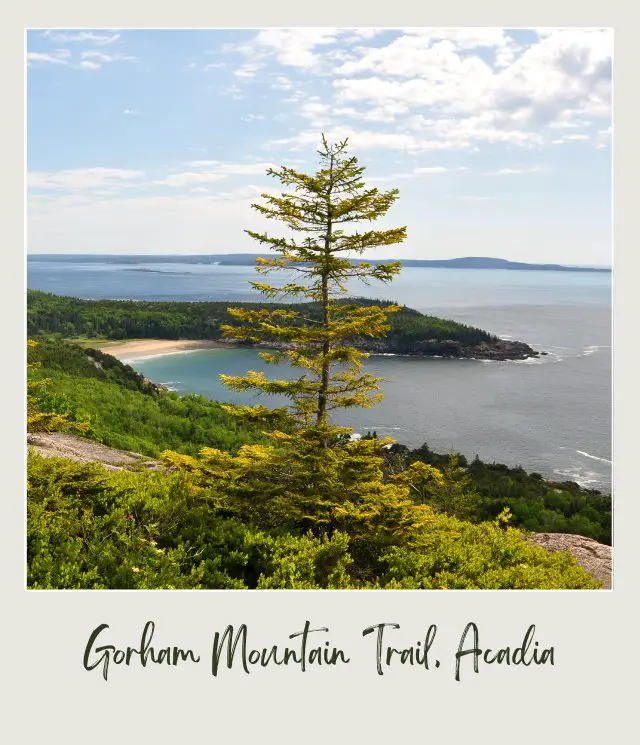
(324, 381)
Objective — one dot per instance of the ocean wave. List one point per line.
(581, 476)
(594, 457)
(386, 428)
(543, 360)
(594, 348)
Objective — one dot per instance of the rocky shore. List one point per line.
(500, 349)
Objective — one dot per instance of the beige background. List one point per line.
(585, 698)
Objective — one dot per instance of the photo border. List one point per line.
(52, 693)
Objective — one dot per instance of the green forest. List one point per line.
(134, 319)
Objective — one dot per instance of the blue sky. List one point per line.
(157, 141)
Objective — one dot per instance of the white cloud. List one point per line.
(89, 36)
(561, 80)
(83, 178)
(436, 169)
(293, 47)
(232, 169)
(281, 83)
(319, 114)
(416, 173)
(210, 171)
(406, 98)
(164, 222)
(234, 91)
(108, 181)
(193, 177)
(439, 137)
(248, 70)
(52, 59)
(102, 57)
(515, 171)
(95, 60)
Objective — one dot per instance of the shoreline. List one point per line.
(134, 350)
(130, 351)
(137, 349)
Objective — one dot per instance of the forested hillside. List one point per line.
(133, 319)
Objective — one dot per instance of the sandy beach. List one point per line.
(127, 351)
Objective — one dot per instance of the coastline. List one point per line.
(137, 349)
(129, 351)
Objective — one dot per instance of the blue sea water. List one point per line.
(551, 415)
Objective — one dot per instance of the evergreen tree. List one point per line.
(454, 492)
(314, 477)
(317, 208)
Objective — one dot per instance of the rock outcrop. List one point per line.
(501, 349)
(58, 445)
(594, 557)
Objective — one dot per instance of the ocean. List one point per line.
(551, 415)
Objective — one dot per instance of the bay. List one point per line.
(551, 415)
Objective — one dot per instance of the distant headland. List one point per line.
(467, 262)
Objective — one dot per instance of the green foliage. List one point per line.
(125, 411)
(537, 505)
(88, 528)
(57, 355)
(450, 490)
(44, 412)
(482, 556)
(83, 530)
(305, 562)
(128, 319)
(392, 541)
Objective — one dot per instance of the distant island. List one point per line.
(241, 259)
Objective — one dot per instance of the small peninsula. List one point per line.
(412, 333)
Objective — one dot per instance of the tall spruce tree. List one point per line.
(314, 479)
(316, 209)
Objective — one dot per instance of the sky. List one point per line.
(157, 141)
